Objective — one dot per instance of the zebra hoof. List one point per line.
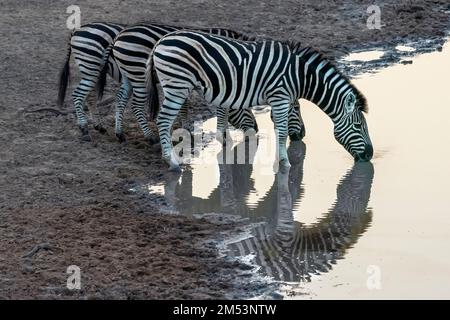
(121, 137)
(153, 140)
(297, 136)
(100, 128)
(174, 166)
(156, 147)
(86, 138)
(84, 130)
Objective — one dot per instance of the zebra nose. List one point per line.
(366, 155)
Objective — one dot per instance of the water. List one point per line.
(365, 55)
(405, 48)
(330, 228)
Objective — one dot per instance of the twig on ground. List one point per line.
(36, 249)
(53, 110)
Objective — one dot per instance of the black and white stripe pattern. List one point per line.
(237, 74)
(296, 127)
(283, 248)
(131, 51)
(289, 251)
(88, 45)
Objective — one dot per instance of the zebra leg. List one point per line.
(164, 121)
(183, 116)
(91, 100)
(122, 98)
(138, 105)
(280, 117)
(296, 126)
(81, 92)
(222, 123)
(243, 119)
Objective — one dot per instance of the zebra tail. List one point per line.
(103, 73)
(153, 97)
(64, 76)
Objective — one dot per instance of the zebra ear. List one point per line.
(349, 103)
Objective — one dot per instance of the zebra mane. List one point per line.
(306, 52)
(123, 25)
(294, 46)
(240, 35)
(247, 37)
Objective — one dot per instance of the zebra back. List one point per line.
(87, 44)
(145, 37)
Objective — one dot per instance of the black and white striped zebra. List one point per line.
(131, 50)
(238, 74)
(88, 45)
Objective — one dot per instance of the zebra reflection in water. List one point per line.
(285, 249)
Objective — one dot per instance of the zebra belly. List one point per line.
(232, 102)
(134, 71)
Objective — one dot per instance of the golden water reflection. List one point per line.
(338, 220)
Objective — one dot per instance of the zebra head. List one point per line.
(350, 126)
(319, 81)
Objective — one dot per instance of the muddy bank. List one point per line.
(64, 202)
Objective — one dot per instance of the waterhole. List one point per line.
(333, 228)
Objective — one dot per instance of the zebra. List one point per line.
(90, 45)
(130, 51)
(238, 74)
(283, 248)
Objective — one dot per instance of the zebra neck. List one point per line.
(320, 83)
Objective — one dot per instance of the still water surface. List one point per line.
(330, 228)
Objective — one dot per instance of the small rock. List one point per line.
(66, 178)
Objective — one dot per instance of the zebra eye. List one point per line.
(357, 125)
